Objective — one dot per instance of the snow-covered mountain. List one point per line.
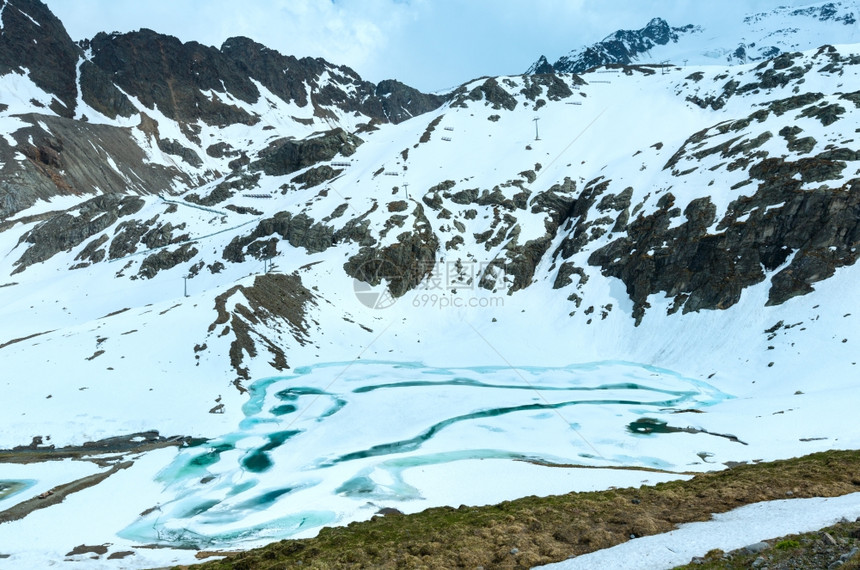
(755, 37)
(341, 297)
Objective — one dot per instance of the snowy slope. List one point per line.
(734, 37)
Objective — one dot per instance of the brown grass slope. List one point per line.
(539, 530)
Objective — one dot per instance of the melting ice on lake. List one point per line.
(334, 442)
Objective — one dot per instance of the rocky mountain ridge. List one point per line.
(144, 90)
(755, 37)
(622, 47)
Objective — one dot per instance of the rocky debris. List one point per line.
(166, 259)
(832, 547)
(69, 229)
(286, 156)
(66, 157)
(273, 300)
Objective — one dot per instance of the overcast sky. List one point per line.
(428, 44)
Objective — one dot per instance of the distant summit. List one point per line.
(623, 46)
(755, 37)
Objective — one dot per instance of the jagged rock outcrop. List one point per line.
(286, 156)
(299, 230)
(69, 229)
(621, 47)
(175, 77)
(490, 91)
(190, 81)
(815, 231)
(226, 189)
(185, 82)
(403, 264)
(388, 101)
(273, 300)
(33, 39)
(166, 259)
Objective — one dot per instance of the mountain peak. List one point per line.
(540, 66)
(753, 37)
(622, 46)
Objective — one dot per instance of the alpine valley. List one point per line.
(245, 296)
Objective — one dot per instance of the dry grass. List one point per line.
(533, 530)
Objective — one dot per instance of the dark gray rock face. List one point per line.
(177, 77)
(388, 101)
(299, 230)
(403, 264)
(33, 38)
(175, 148)
(162, 71)
(70, 229)
(226, 188)
(100, 93)
(816, 231)
(490, 91)
(166, 259)
(286, 156)
(187, 82)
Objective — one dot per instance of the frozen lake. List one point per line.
(336, 442)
